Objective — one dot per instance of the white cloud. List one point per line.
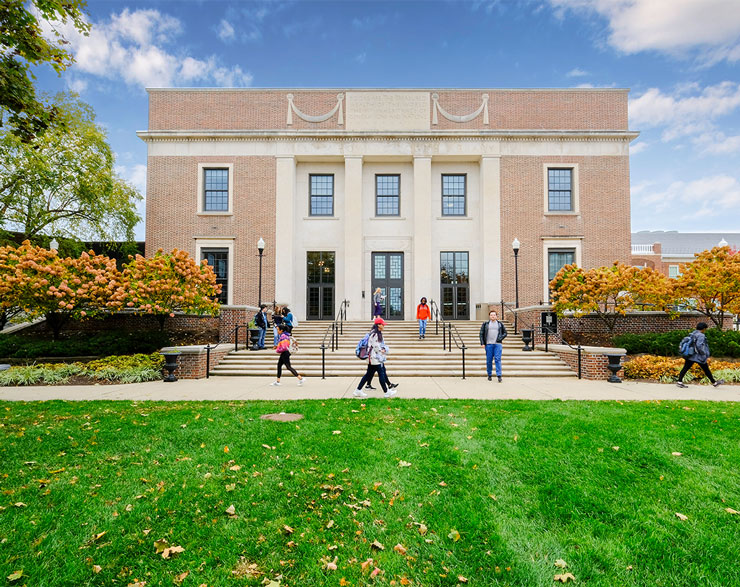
(711, 28)
(226, 31)
(139, 48)
(708, 197)
(576, 72)
(638, 147)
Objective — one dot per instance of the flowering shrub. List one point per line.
(666, 369)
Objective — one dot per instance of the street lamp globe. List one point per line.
(515, 244)
(261, 245)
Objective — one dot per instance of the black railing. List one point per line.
(208, 359)
(547, 330)
(236, 335)
(512, 310)
(332, 333)
(449, 331)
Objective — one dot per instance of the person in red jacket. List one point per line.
(422, 315)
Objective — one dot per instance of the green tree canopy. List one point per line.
(22, 46)
(64, 183)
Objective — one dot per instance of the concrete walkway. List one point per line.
(258, 388)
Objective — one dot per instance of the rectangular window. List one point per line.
(218, 259)
(453, 195)
(216, 190)
(560, 190)
(557, 259)
(673, 271)
(322, 195)
(387, 195)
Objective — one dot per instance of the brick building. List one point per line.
(665, 250)
(419, 192)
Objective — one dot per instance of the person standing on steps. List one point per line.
(492, 334)
(422, 315)
(261, 322)
(287, 319)
(277, 318)
(699, 356)
(376, 357)
(283, 349)
(378, 297)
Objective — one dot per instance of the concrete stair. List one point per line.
(408, 356)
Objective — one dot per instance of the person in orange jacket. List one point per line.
(422, 315)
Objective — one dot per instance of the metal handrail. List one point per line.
(448, 329)
(235, 330)
(336, 328)
(511, 307)
(546, 330)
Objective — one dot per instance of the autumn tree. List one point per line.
(23, 45)
(64, 183)
(167, 283)
(37, 282)
(609, 292)
(711, 284)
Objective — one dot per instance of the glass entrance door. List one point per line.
(320, 285)
(388, 276)
(455, 285)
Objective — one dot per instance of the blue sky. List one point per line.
(680, 58)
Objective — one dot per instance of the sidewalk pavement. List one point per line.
(474, 388)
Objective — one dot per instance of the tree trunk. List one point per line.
(161, 318)
(55, 321)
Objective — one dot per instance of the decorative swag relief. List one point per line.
(464, 118)
(320, 118)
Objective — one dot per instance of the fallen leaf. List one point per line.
(442, 484)
(731, 511)
(231, 510)
(97, 537)
(377, 545)
(462, 579)
(332, 565)
(97, 568)
(167, 552)
(337, 432)
(375, 573)
(454, 534)
(181, 577)
(160, 545)
(561, 564)
(267, 446)
(366, 564)
(235, 468)
(564, 578)
(288, 529)
(403, 464)
(15, 575)
(226, 449)
(400, 549)
(330, 524)
(677, 454)
(230, 487)
(20, 504)
(681, 517)
(343, 582)
(137, 584)
(422, 529)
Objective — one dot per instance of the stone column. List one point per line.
(353, 246)
(424, 284)
(490, 228)
(284, 245)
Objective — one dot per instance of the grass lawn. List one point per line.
(488, 493)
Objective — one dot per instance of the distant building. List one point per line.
(417, 192)
(665, 250)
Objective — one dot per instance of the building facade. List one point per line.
(418, 192)
(666, 250)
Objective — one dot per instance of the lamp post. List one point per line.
(53, 245)
(515, 244)
(261, 249)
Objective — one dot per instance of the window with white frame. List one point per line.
(321, 195)
(215, 188)
(218, 259)
(454, 194)
(387, 195)
(559, 189)
(673, 271)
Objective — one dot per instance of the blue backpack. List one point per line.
(687, 346)
(361, 351)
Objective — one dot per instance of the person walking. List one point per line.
(261, 322)
(378, 297)
(283, 349)
(422, 315)
(382, 373)
(699, 356)
(277, 318)
(376, 357)
(492, 333)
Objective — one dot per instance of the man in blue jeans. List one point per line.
(492, 333)
(261, 322)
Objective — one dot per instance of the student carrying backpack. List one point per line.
(695, 350)
(362, 350)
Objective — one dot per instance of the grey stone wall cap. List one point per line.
(196, 349)
(541, 308)
(250, 308)
(594, 350)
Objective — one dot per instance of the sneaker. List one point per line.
(359, 393)
(681, 384)
(301, 381)
(499, 378)
(718, 383)
(390, 393)
(275, 383)
(393, 385)
(489, 378)
(368, 386)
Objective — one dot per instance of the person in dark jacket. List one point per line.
(261, 322)
(699, 356)
(492, 333)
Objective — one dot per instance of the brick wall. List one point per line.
(603, 222)
(231, 316)
(594, 360)
(172, 219)
(191, 364)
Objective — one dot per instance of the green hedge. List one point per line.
(721, 343)
(108, 343)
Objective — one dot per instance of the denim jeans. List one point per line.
(422, 327)
(493, 353)
(261, 343)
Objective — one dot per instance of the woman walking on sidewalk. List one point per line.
(376, 357)
(422, 315)
(283, 349)
(700, 355)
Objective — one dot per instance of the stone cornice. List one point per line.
(333, 135)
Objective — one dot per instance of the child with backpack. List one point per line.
(695, 350)
(283, 349)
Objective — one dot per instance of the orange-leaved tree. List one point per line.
(609, 292)
(711, 284)
(166, 283)
(38, 282)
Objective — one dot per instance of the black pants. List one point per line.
(687, 365)
(371, 370)
(382, 374)
(285, 360)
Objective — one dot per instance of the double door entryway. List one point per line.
(388, 274)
